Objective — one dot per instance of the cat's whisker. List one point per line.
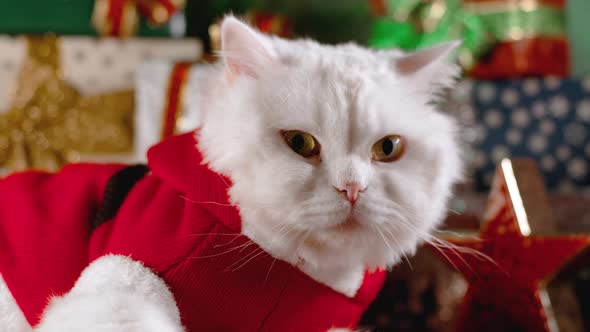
(439, 244)
(399, 247)
(205, 202)
(464, 250)
(270, 268)
(219, 203)
(451, 246)
(286, 227)
(244, 245)
(458, 251)
(382, 236)
(246, 259)
(304, 237)
(456, 234)
(220, 234)
(445, 255)
(223, 180)
(454, 211)
(228, 243)
(242, 258)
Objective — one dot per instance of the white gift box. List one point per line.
(152, 99)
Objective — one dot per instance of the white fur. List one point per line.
(348, 97)
(113, 294)
(11, 317)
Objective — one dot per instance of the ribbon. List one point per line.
(174, 98)
(121, 17)
(414, 24)
(508, 22)
(50, 123)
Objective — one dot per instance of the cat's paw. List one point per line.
(114, 293)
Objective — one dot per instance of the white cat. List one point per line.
(339, 160)
(381, 161)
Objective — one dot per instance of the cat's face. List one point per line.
(334, 155)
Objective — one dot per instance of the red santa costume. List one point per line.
(53, 225)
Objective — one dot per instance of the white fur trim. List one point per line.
(11, 317)
(114, 293)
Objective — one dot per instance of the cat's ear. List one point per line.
(431, 69)
(244, 50)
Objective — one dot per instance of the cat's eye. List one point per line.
(389, 148)
(302, 143)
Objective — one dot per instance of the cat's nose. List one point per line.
(351, 191)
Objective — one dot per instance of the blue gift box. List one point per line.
(547, 119)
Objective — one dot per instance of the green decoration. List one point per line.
(578, 27)
(415, 24)
(388, 33)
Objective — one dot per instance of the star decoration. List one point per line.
(510, 264)
(50, 123)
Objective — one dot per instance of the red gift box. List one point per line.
(535, 44)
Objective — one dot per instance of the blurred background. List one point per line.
(102, 80)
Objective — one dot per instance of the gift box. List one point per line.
(70, 99)
(530, 38)
(168, 97)
(501, 39)
(75, 18)
(547, 120)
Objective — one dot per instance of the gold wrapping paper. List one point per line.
(50, 123)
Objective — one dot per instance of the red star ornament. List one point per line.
(508, 267)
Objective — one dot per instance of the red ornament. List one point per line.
(271, 23)
(510, 267)
(120, 18)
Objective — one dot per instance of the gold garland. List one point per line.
(50, 123)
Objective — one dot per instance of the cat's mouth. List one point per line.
(350, 224)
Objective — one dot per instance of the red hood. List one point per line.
(158, 224)
(178, 162)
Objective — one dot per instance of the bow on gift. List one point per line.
(121, 17)
(50, 123)
(415, 24)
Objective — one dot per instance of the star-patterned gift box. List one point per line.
(545, 119)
